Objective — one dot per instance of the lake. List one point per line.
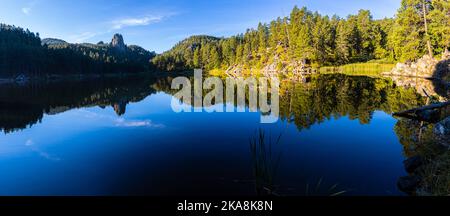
(121, 137)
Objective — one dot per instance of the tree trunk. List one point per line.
(427, 107)
(430, 51)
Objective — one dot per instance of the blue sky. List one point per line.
(157, 25)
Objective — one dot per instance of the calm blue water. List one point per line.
(150, 150)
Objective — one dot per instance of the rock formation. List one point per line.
(297, 69)
(425, 67)
(118, 43)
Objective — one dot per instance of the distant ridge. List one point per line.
(52, 41)
(23, 54)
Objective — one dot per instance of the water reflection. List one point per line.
(122, 137)
(424, 87)
(24, 105)
(335, 96)
(303, 103)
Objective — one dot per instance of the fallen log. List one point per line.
(428, 107)
(425, 113)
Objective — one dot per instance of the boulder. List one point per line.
(408, 184)
(412, 163)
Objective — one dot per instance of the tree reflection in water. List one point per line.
(305, 104)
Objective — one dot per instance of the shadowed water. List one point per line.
(121, 137)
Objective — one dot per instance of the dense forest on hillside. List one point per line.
(420, 27)
(23, 53)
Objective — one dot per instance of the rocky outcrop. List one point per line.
(435, 76)
(297, 69)
(423, 67)
(118, 43)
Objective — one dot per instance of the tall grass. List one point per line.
(436, 175)
(369, 68)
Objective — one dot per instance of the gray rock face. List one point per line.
(423, 67)
(118, 43)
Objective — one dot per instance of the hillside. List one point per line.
(181, 56)
(23, 53)
(307, 36)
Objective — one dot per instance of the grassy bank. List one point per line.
(436, 175)
(419, 139)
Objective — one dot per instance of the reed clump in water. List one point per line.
(265, 163)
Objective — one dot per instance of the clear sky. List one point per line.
(158, 24)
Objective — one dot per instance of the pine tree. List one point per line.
(215, 61)
(439, 28)
(263, 35)
(342, 52)
(407, 35)
(365, 30)
(197, 58)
